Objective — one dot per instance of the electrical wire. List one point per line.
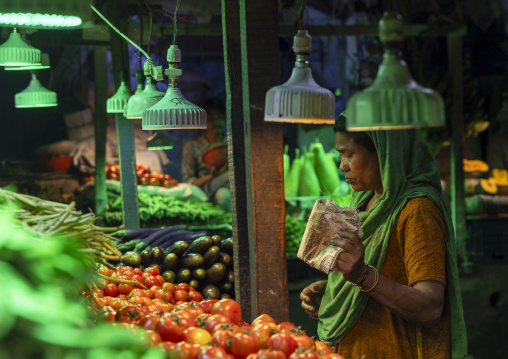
(174, 21)
(151, 24)
(301, 23)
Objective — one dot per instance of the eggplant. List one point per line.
(131, 259)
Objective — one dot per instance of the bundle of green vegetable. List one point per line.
(159, 211)
(43, 313)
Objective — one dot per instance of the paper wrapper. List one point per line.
(325, 222)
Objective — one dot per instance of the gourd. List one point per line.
(309, 182)
(326, 169)
(292, 183)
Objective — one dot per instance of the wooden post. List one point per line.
(458, 203)
(100, 117)
(252, 67)
(125, 136)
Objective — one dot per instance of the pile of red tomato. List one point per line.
(145, 176)
(180, 323)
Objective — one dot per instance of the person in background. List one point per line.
(213, 181)
(395, 291)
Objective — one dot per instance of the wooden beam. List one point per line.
(100, 117)
(255, 147)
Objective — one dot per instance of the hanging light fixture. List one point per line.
(300, 99)
(35, 95)
(140, 101)
(117, 103)
(174, 111)
(394, 100)
(43, 65)
(16, 52)
(159, 141)
(45, 14)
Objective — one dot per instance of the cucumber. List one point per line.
(170, 261)
(215, 273)
(191, 260)
(211, 256)
(200, 245)
(179, 248)
(226, 246)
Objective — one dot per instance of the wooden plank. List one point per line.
(250, 43)
(458, 203)
(125, 135)
(100, 117)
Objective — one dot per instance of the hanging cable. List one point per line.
(301, 23)
(150, 29)
(174, 21)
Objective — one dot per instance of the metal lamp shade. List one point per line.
(174, 111)
(44, 64)
(159, 141)
(117, 103)
(16, 52)
(45, 14)
(35, 95)
(142, 100)
(395, 100)
(300, 100)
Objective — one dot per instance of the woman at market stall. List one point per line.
(395, 291)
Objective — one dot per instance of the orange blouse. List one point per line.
(416, 252)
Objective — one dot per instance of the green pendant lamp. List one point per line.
(300, 99)
(159, 141)
(43, 65)
(45, 14)
(174, 111)
(16, 52)
(118, 102)
(142, 100)
(35, 95)
(394, 101)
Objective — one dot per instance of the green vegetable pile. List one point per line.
(294, 232)
(158, 211)
(44, 314)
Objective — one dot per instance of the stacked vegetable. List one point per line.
(182, 256)
(294, 230)
(158, 211)
(312, 174)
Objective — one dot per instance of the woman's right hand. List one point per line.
(311, 297)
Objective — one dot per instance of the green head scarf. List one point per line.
(408, 169)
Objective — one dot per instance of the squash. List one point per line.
(309, 182)
(475, 166)
(293, 182)
(486, 186)
(326, 169)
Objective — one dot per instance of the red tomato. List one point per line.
(229, 308)
(207, 304)
(211, 352)
(107, 314)
(163, 295)
(154, 271)
(168, 286)
(283, 342)
(286, 325)
(151, 281)
(221, 338)
(332, 356)
(131, 314)
(215, 319)
(183, 286)
(150, 336)
(181, 295)
(149, 321)
(271, 354)
(195, 296)
(166, 347)
(304, 355)
(111, 290)
(243, 345)
(137, 293)
(160, 279)
(322, 348)
(194, 310)
(183, 350)
(304, 341)
(263, 331)
(195, 335)
(137, 278)
(169, 329)
(185, 319)
(263, 318)
(125, 288)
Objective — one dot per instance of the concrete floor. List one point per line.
(484, 296)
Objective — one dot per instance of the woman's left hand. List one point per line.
(351, 262)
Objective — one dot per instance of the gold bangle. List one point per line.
(376, 280)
